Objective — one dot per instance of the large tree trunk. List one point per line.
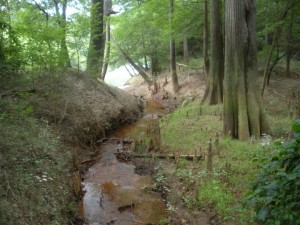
(243, 113)
(205, 39)
(214, 87)
(96, 46)
(172, 50)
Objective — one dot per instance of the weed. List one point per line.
(214, 193)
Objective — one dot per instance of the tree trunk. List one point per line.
(172, 50)
(107, 11)
(64, 48)
(186, 54)
(145, 56)
(185, 46)
(205, 39)
(62, 23)
(288, 44)
(243, 113)
(214, 87)
(96, 46)
(290, 4)
(135, 66)
(107, 50)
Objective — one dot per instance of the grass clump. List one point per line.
(213, 193)
(35, 182)
(189, 128)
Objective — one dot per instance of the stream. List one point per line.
(114, 193)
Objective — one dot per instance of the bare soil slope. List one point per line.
(82, 107)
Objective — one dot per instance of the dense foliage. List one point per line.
(276, 194)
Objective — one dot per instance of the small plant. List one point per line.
(214, 193)
(276, 193)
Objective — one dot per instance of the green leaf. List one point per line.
(296, 126)
(262, 214)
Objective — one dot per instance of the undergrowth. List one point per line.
(35, 180)
(189, 130)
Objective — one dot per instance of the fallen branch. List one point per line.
(169, 156)
(183, 65)
(88, 161)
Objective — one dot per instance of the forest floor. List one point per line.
(192, 195)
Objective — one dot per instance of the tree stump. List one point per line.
(153, 132)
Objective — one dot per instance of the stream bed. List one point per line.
(114, 193)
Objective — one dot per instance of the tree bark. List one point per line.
(288, 45)
(243, 111)
(172, 50)
(205, 39)
(96, 45)
(107, 50)
(107, 11)
(214, 86)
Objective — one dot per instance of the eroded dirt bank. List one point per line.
(84, 109)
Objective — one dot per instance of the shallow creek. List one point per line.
(114, 193)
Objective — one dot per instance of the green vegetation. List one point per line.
(214, 193)
(235, 163)
(35, 179)
(276, 193)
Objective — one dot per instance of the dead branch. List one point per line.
(167, 156)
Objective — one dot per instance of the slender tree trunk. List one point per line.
(145, 56)
(186, 54)
(214, 87)
(267, 22)
(267, 74)
(205, 39)
(172, 50)
(185, 43)
(96, 46)
(107, 11)
(288, 45)
(129, 71)
(243, 111)
(64, 48)
(107, 49)
(62, 23)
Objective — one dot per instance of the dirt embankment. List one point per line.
(83, 108)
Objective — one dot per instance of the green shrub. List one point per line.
(276, 193)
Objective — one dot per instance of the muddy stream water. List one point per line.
(114, 193)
